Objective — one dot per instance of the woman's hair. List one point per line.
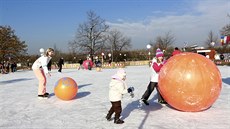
(49, 50)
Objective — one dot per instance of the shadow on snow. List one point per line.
(226, 80)
(15, 80)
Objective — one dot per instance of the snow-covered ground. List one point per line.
(21, 109)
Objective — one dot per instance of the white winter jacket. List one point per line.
(42, 62)
(116, 89)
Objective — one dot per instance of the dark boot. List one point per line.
(145, 102)
(118, 121)
(162, 102)
(108, 117)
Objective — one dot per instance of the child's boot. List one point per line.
(108, 116)
(118, 121)
(145, 101)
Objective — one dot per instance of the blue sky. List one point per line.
(45, 23)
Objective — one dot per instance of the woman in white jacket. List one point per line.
(41, 71)
(117, 88)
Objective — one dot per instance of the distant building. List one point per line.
(209, 53)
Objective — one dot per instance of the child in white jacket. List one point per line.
(117, 88)
(41, 71)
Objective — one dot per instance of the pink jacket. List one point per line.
(176, 52)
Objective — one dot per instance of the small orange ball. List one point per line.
(66, 88)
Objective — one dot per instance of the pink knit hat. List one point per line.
(159, 53)
(121, 74)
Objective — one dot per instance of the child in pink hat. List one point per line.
(156, 66)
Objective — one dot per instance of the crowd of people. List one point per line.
(7, 66)
(117, 85)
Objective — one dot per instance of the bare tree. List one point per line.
(118, 42)
(91, 34)
(73, 46)
(164, 42)
(226, 29)
(211, 39)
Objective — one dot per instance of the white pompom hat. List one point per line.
(41, 50)
(121, 74)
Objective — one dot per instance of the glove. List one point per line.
(130, 89)
(132, 94)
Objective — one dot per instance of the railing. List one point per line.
(107, 65)
(222, 62)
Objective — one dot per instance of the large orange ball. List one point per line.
(66, 88)
(190, 82)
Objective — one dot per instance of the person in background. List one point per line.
(41, 71)
(60, 63)
(80, 64)
(156, 66)
(88, 64)
(2, 69)
(221, 56)
(13, 67)
(117, 88)
(176, 51)
(98, 65)
(7, 66)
